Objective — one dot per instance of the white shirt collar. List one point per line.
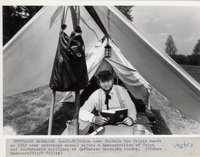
(111, 92)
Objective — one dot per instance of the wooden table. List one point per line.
(119, 129)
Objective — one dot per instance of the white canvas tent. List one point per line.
(28, 57)
(134, 82)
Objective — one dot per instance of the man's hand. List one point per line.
(99, 120)
(128, 121)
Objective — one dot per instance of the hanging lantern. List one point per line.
(107, 50)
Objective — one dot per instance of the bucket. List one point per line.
(139, 129)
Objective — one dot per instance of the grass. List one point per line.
(28, 113)
(177, 123)
(193, 70)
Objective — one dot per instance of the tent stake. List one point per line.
(51, 112)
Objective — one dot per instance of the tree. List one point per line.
(126, 10)
(196, 49)
(181, 59)
(194, 59)
(14, 18)
(170, 46)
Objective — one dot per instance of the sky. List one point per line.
(158, 22)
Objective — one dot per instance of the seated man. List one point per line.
(107, 98)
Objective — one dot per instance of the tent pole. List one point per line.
(51, 112)
(77, 92)
(149, 103)
(76, 115)
(73, 125)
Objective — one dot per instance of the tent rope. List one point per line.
(47, 91)
(183, 122)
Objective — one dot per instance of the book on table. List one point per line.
(115, 116)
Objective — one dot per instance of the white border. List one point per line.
(3, 138)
